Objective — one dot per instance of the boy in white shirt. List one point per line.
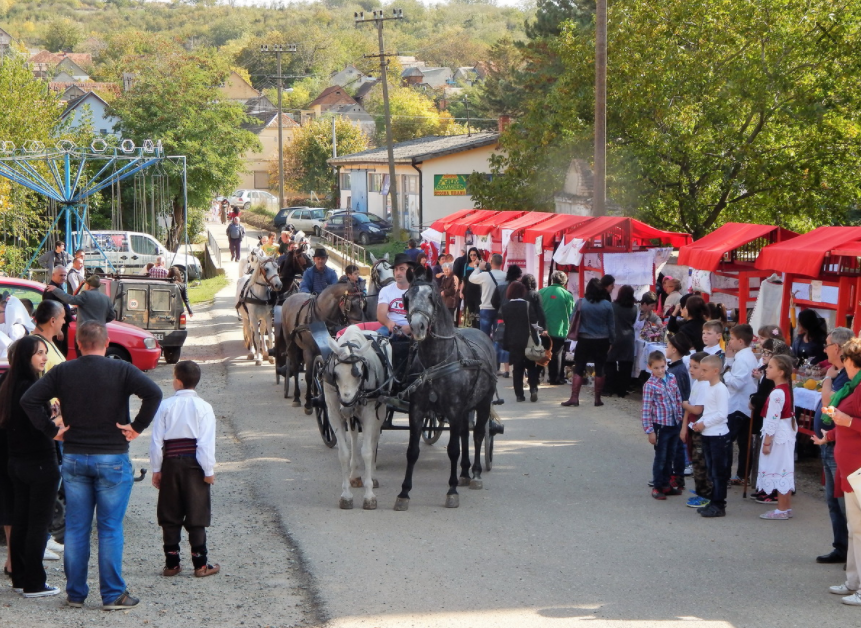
(712, 426)
(182, 455)
(741, 386)
(693, 409)
(712, 334)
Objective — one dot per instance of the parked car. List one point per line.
(127, 342)
(364, 231)
(244, 199)
(130, 251)
(280, 220)
(152, 304)
(307, 219)
(383, 224)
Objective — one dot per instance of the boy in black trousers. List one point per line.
(182, 455)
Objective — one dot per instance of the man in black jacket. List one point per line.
(58, 280)
(94, 396)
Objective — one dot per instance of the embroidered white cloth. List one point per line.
(634, 269)
(777, 469)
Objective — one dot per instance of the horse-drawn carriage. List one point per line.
(444, 378)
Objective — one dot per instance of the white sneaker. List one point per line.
(49, 555)
(689, 470)
(841, 589)
(54, 546)
(48, 590)
(853, 600)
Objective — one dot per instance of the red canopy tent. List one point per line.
(489, 230)
(827, 254)
(461, 225)
(442, 224)
(615, 234)
(550, 231)
(730, 251)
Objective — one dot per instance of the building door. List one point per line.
(359, 190)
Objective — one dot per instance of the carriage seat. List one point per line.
(369, 326)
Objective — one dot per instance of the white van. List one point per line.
(131, 251)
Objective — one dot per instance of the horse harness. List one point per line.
(361, 369)
(247, 296)
(309, 307)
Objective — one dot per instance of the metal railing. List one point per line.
(350, 251)
(214, 249)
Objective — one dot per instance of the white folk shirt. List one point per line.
(740, 382)
(715, 400)
(393, 297)
(185, 415)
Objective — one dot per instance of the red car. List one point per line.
(127, 342)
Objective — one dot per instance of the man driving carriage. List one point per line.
(292, 263)
(391, 312)
(319, 276)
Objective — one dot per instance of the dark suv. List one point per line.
(152, 304)
(364, 231)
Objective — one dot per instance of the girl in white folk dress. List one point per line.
(777, 456)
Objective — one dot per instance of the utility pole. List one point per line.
(466, 102)
(599, 199)
(278, 49)
(378, 19)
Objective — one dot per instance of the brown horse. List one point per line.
(337, 306)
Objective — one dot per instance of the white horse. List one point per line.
(381, 276)
(354, 371)
(254, 292)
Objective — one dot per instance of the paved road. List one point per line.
(564, 529)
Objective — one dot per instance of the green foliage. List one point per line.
(172, 101)
(62, 34)
(413, 113)
(305, 167)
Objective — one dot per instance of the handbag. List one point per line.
(574, 329)
(499, 333)
(534, 349)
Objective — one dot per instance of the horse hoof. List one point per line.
(250, 356)
(345, 504)
(371, 504)
(476, 485)
(356, 482)
(463, 481)
(308, 410)
(402, 504)
(452, 501)
(258, 362)
(376, 483)
(296, 404)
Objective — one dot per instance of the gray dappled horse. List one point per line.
(458, 367)
(254, 296)
(357, 372)
(339, 305)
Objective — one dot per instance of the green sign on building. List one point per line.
(449, 184)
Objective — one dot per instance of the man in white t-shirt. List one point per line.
(391, 312)
(489, 280)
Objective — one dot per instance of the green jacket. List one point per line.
(558, 306)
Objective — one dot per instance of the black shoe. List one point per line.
(533, 395)
(833, 558)
(521, 398)
(711, 511)
(122, 603)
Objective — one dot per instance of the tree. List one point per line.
(414, 115)
(174, 100)
(62, 35)
(717, 111)
(305, 167)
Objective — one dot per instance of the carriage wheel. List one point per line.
(488, 451)
(431, 429)
(287, 385)
(321, 410)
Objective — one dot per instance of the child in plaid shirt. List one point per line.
(662, 416)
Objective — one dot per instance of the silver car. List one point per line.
(244, 199)
(307, 219)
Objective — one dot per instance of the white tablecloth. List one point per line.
(807, 399)
(643, 350)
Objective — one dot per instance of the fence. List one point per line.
(350, 251)
(214, 249)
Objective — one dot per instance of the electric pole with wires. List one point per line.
(379, 18)
(278, 49)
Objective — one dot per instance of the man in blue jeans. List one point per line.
(834, 380)
(94, 396)
(489, 279)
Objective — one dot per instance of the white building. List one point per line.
(431, 176)
(102, 123)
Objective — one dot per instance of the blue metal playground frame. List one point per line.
(66, 165)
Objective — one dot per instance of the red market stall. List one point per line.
(550, 233)
(443, 224)
(731, 251)
(827, 257)
(610, 235)
(488, 232)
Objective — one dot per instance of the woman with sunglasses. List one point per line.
(471, 292)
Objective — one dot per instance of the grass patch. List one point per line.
(392, 247)
(262, 210)
(206, 290)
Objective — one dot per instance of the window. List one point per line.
(336, 221)
(261, 179)
(345, 181)
(317, 214)
(375, 182)
(23, 293)
(160, 300)
(411, 184)
(360, 218)
(302, 215)
(135, 299)
(144, 246)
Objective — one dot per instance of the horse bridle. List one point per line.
(362, 395)
(428, 316)
(375, 274)
(267, 277)
(345, 304)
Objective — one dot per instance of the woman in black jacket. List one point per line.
(620, 359)
(519, 316)
(33, 469)
(471, 291)
(176, 276)
(693, 312)
(534, 298)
